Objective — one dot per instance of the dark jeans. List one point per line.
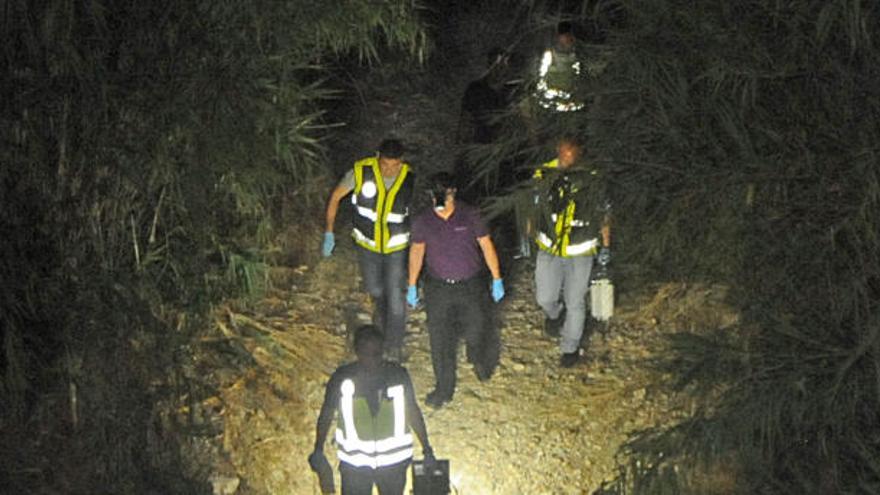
(454, 310)
(359, 480)
(383, 276)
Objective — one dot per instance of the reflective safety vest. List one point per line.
(557, 79)
(564, 226)
(373, 440)
(381, 220)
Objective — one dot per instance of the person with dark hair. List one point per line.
(483, 100)
(572, 208)
(376, 416)
(452, 241)
(483, 107)
(559, 73)
(382, 192)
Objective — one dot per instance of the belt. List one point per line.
(452, 281)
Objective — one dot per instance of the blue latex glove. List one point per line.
(604, 256)
(412, 296)
(329, 244)
(497, 289)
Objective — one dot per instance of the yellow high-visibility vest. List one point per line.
(564, 230)
(381, 220)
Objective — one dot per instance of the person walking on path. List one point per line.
(382, 192)
(559, 73)
(571, 207)
(376, 416)
(452, 241)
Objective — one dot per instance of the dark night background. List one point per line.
(160, 159)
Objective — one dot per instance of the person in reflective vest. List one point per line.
(376, 417)
(559, 72)
(571, 209)
(381, 189)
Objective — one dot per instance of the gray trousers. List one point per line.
(570, 278)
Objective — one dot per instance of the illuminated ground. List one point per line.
(533, 428)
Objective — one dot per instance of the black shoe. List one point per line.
(568, 359)
(552, 326)
(434, 399)
(482, 373)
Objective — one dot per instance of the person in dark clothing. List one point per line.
(452, 241)
(484, 102)
(377, 414)
(484, 99)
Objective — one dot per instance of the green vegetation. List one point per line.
(741, 138)
(151, 153)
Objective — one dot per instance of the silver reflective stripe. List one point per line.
(353, 443)
(395, 217)
(581, 248)
(579, 223)
(560, 106)
(551, 93)
(359, 236)
(373, 453)
(367, 213)
(546, 60)
(569, 107)
(398, 239)
(375, 461)
(544, 240)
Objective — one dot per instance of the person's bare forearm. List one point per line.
(416, 258)
(490, 256)
(606, 232)
(333, 207)
(417, 423)
(325, 418)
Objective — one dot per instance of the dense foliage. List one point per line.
(147, 148)
(742, 137)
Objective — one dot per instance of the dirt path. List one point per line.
(534, 428)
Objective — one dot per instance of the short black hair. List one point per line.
(572, 139)
(391, 148)
(442, 181)
(367, 333)
(565, 27)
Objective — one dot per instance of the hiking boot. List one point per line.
(568, 359)
(553, 326)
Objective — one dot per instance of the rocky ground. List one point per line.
(534, 428)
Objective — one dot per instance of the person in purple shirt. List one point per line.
(453, 243)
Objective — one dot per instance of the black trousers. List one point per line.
(359, 480)
(454, 310)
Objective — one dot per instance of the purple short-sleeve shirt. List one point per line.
(451, 249)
